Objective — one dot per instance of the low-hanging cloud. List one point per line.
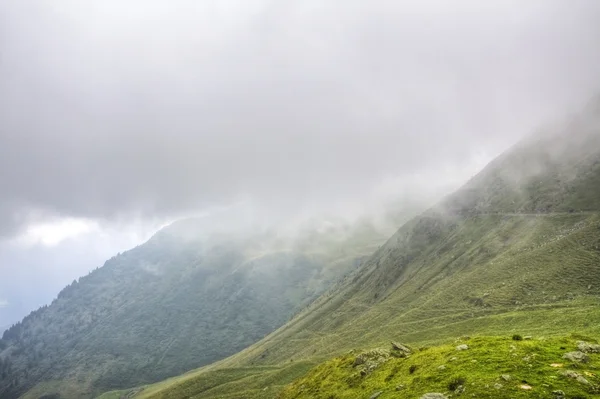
(112, 109)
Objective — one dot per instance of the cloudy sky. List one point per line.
(119, 116)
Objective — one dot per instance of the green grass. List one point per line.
(471, 280)
(246, 382)
(443, 369)
(114, 394)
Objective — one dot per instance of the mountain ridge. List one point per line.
(515, 250)
(177, 302)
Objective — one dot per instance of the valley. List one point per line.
(516, 251)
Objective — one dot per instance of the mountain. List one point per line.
(516, 251)
(184, 299)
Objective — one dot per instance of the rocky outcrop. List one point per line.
(588, 348)
(577, 357)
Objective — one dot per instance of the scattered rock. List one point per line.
(526, 387)
(376, 395)
(399, 387)
(588, 348)
(370, 360)
(453, 358)
(401, 348)
(506, 377)
(434, 396)
(558, 394)
(556, 365)
(442, 367)
(576, 376)
(577, 357)
(498, 386)
(570, 374)
(459, 389)
(582, 380)
(462, 347)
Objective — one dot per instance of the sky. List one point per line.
(117, 117)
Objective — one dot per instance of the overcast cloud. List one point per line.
(111, 110)
(118, 114)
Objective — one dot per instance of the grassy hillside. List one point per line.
(515, 251)
(182, 300)
(535, 288)
(484, 367)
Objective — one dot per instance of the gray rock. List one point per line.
(401, 348)
(570, 374)
(370, 360)
(576, 376)
(459, 389)
(434, 396)
(399, 387)
(582, 380)
(462, 347)
(376, 395)
(588, 348)
(442, 368)
(558, 394)
(506, 377)
(498, 386)
(577, 357)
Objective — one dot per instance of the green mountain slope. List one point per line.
(516, 250)
(182, 300)
(485, 367)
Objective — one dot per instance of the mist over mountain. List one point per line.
(160, 110)
(513, 253)
(118, 119)
(277, 183)
(193, 294)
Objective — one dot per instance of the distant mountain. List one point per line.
(182, 300)
(516, 251)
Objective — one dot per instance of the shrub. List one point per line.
(517, 337)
